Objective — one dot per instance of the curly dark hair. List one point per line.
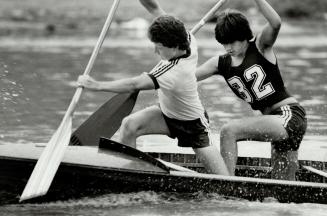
(232, 26)
(170, 32)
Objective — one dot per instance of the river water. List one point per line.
(37, 78)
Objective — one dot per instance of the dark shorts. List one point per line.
(295, 125)
(190, 133)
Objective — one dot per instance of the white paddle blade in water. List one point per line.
(48, 163)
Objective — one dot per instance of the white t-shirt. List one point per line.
(177, 86)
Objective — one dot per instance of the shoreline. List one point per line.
(292, 34)
(82, 42)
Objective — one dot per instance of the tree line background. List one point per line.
(71, 16)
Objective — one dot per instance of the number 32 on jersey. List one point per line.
(258, 90)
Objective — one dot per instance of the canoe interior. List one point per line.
(247, 166)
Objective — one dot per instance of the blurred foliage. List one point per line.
(65, 17)
(290, 8)
(301, 9)
(32, 10)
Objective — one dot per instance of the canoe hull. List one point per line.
(75, 179)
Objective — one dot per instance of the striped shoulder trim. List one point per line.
(163, 67)
(287, 114)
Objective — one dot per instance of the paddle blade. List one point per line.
(48, 163)
(105, 121)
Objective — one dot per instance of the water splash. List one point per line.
(10, 90)
(170, 204)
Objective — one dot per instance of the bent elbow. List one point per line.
(277, 24)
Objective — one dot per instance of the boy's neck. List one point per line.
(179, 54)
(245, 49)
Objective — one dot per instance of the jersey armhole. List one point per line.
(154, 80)
(223, 64)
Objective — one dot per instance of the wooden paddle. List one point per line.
(101, 123)
(105, 121)
(48, 163)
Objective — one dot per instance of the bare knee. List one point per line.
(130, 127)
(228, 144)
(229, 131)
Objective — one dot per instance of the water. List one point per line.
(155, 204)
(37, 86)
(37, 79)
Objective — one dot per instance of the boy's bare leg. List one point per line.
(211, 159)
(147, 121)
(284, 164)
(260, 128)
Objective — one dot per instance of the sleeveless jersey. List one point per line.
(177, 85)
(256, 80)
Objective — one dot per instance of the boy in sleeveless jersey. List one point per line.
(180, 113)
(251, 70)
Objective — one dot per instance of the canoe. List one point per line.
(115, 168)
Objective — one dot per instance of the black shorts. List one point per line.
(295, 125)
(190, 133)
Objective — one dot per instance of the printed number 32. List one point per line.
(260, 91)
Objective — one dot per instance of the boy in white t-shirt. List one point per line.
(180, 113)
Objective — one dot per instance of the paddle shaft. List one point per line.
(48, 163)
(207, 16)
(93, 57)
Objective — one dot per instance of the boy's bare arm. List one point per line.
(270, 32)
(141, 82)
(153, 7)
